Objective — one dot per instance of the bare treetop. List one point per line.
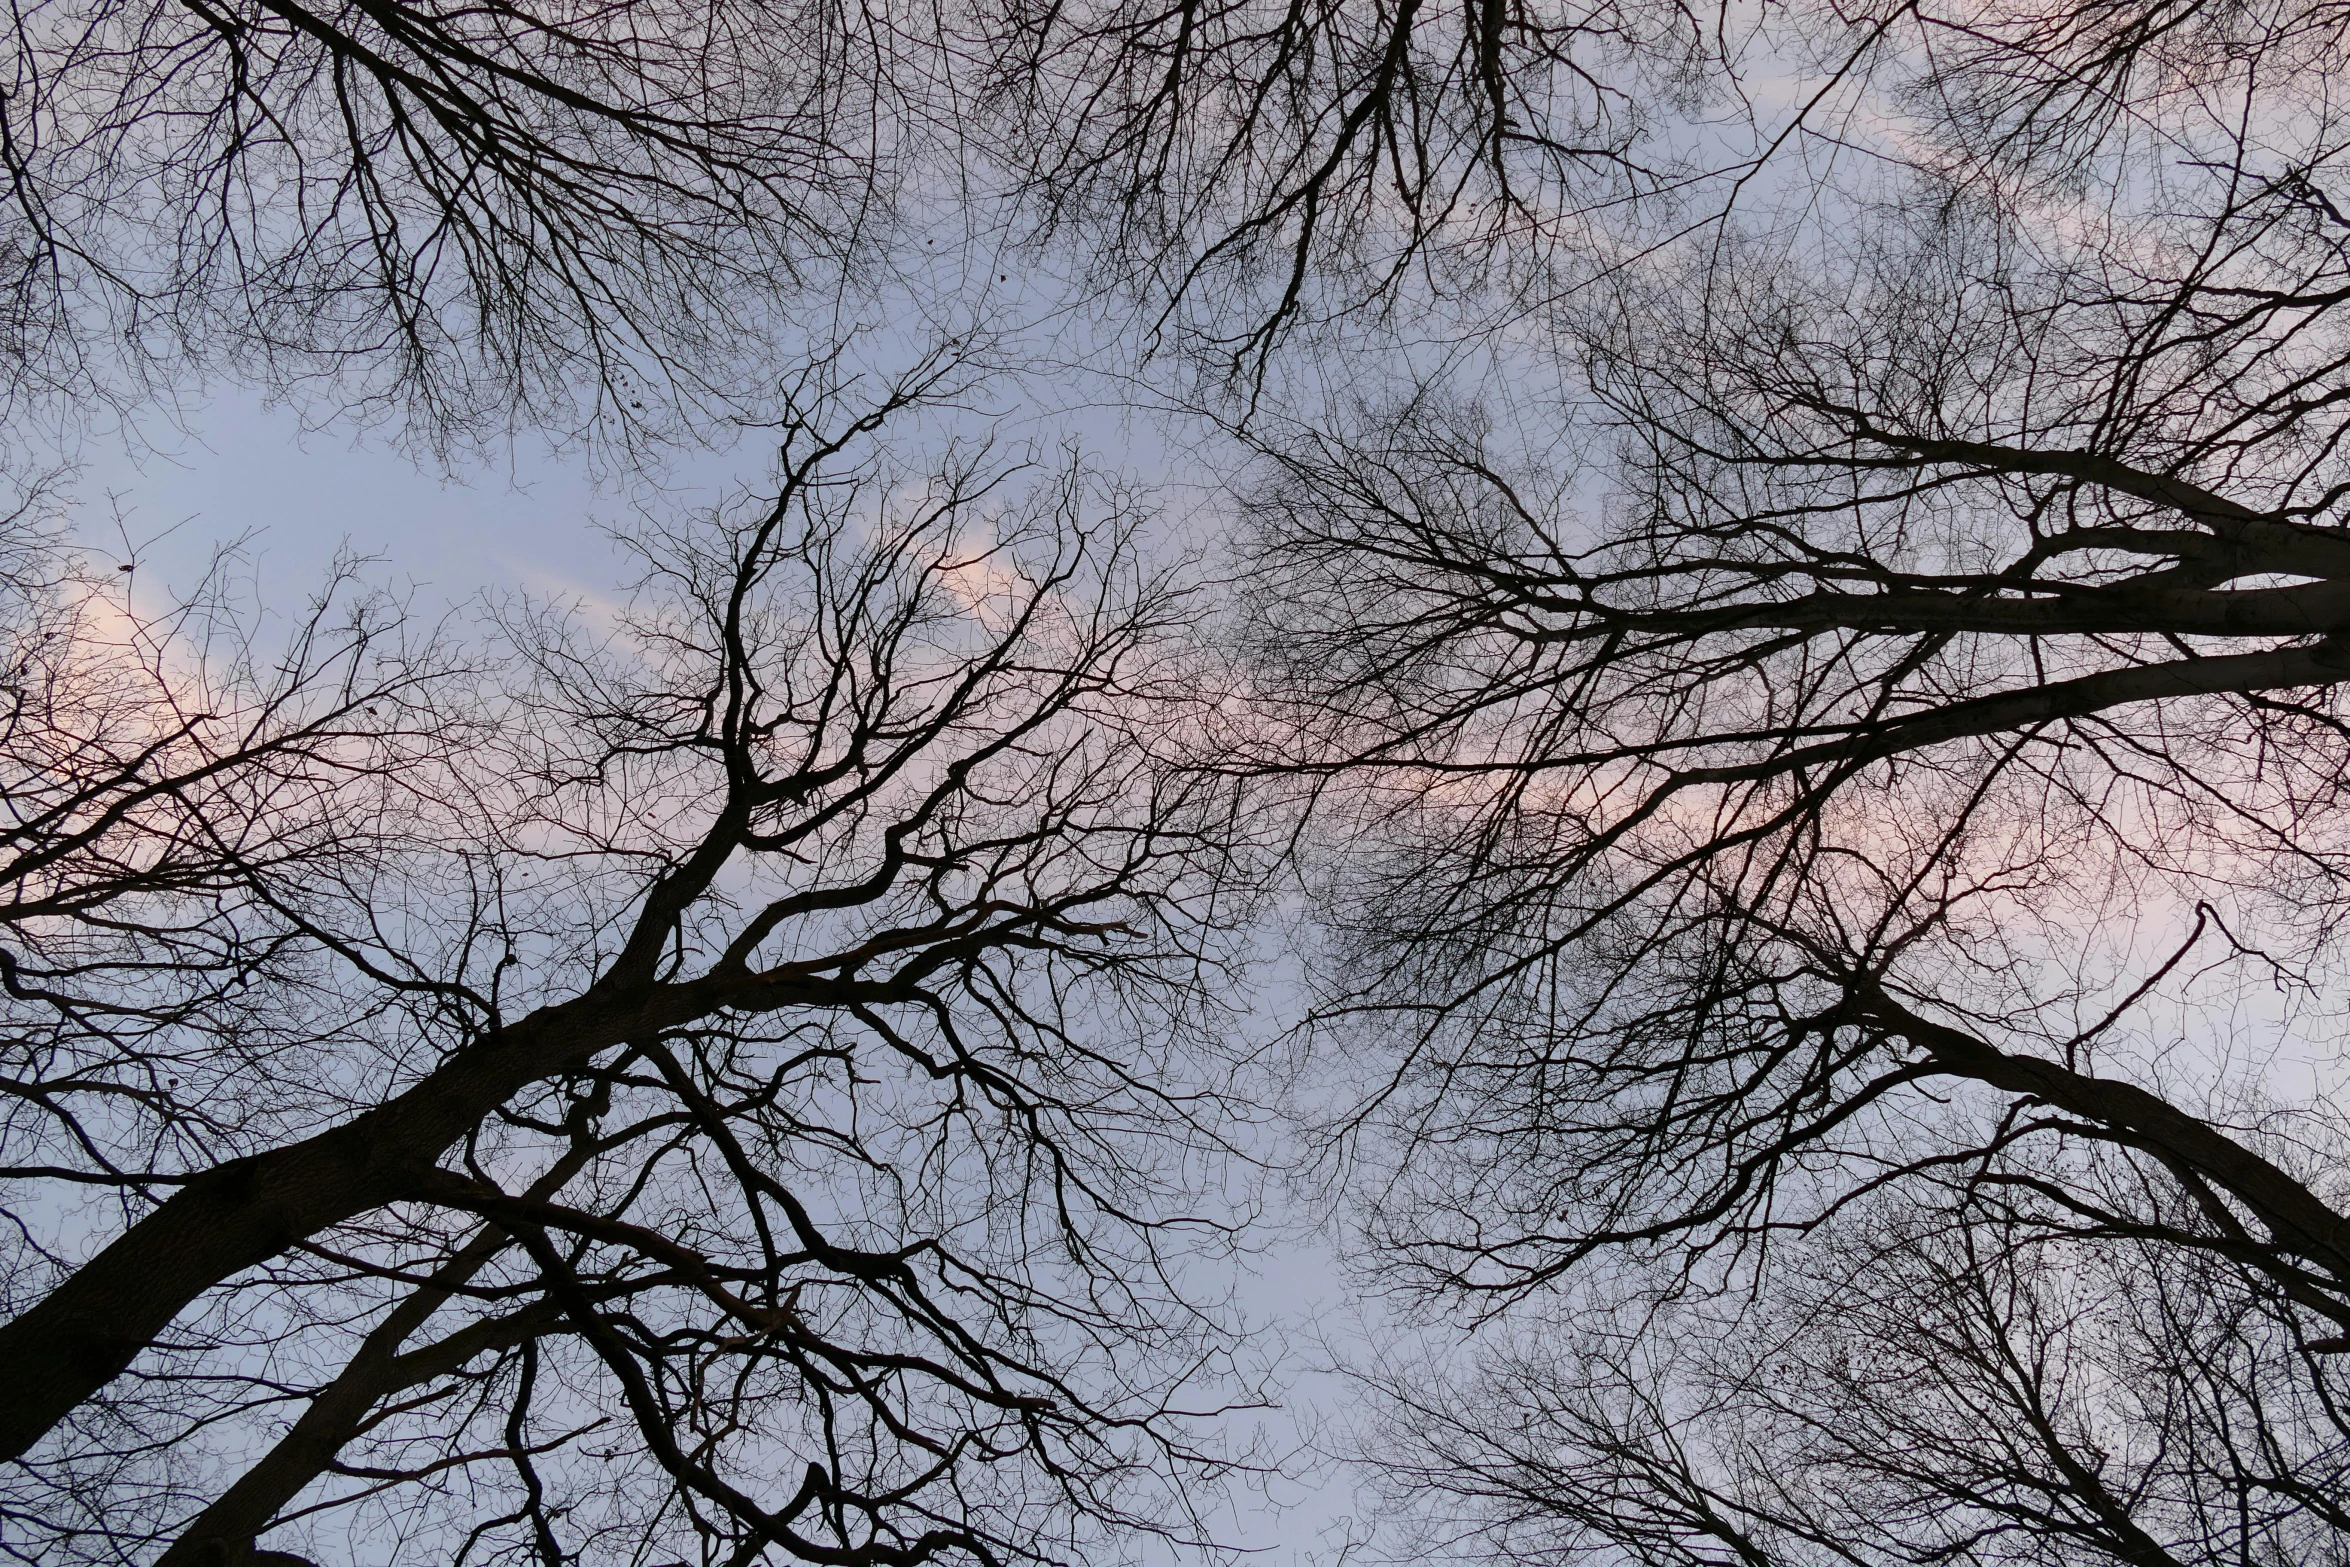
(438, 211)
(734, 1078)
(1834, 748)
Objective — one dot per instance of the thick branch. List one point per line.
(2296, 1217)
(84, 1332)
(2265, 542)
(2066, 609)
(2010, 711)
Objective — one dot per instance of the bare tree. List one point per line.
(434, 211)
(167, 779)
(466, 218)
(726, 1081)
(1931, 1385)
(1907, 672)
(1254, 167)
(743, 1091)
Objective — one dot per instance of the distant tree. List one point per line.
(1257, 167)
(452, 214)
(1877, 739)
(726, 1079)
(1931, 1384)
(466, 218)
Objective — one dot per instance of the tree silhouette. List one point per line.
(723, 1081)
(1873, 739)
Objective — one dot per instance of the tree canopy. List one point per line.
(1763, 629)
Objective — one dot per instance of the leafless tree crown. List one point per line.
(452, 214)
(1837, 798)
(1811, 628)
(727, 1078)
